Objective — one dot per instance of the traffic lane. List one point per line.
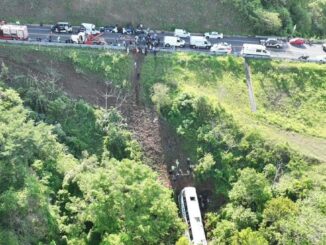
(294, 52)
(288, 51)
(42, 30)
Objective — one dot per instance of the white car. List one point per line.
(214, 35)
(319, 59)
(221, 48)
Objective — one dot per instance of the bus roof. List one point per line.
(253, 46)
(195, 216)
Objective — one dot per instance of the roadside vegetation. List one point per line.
(268, 186)
(228, 16)
(73, 173)
(288, 95)
(280, 17)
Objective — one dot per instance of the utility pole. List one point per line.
(250, 88)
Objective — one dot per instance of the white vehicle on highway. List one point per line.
(199, 42)
(213, 35)
(89, 28)
(254, 50)
(181, 33)
(221, 48)
(171, 41)
(78, 38)
(319, 59)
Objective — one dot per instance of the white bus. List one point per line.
(190, 211)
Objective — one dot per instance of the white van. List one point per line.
(199, 42)
(181, 33)
(254, 50)
(89, 28)
(170, 41)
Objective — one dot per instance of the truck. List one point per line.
(199, 42)
(254, 50)
(89, 28)
(13, 32)
(171, 41)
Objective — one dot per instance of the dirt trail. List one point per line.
(161, 144)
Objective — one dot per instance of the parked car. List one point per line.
(62, 27)
(107, 28)
(254, 50)
(221, 48)
(129, 30)
(271, 43)
(297, 41)
(324, 47)
(181, 33)
(319, 59)
(213, 35)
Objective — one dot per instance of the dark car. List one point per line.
(129, 30)
(62, 27)
(109, 29)
(272, 43)
(324, 47)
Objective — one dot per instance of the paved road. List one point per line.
(289, 51)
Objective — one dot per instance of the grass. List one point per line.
(196, 16)
(113, 66)
(290, 96)
(76, 122)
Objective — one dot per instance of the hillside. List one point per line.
(161, 14)
(231, 17)
(90, 134)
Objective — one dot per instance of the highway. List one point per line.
(287, 52)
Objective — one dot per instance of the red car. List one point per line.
(297, 41)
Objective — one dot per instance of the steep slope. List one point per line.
(161, 14)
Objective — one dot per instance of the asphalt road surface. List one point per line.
(288, 51)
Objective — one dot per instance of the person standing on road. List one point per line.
(58, 39)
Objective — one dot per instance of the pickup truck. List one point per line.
(271, 43)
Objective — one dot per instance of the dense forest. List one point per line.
(72, 172)
(280, 17)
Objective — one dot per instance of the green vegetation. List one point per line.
(228, 16)
(71, 173)
(280, 17)
(266, 183)
(92, 187)
(289, 95)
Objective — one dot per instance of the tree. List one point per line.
(183, 241)
(252, 190)
(223, 232)
(278, 211)
(242, 217)
(249, 237)
(205, 166)
(160, 96)
(122, 202)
